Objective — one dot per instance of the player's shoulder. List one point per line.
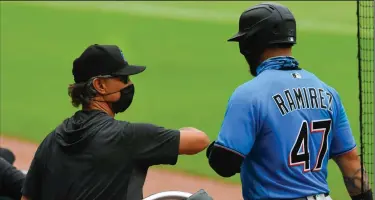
(261, 84)
(246, 92)
(251, 92)
(328, 87)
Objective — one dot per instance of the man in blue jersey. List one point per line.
(281, 128)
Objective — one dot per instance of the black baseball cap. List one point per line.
(272, 22)
(102, 60)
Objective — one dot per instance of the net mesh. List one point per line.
(365, 22)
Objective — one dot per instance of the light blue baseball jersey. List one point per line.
(286, 124)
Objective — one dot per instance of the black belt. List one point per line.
(304, 198)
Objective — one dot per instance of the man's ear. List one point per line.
(99, 86)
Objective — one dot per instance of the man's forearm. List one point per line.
(351, 169)
(354, 183)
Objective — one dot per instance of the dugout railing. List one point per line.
(169, 195)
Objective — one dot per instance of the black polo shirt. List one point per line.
(93, 156)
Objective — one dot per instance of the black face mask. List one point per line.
(125, 100)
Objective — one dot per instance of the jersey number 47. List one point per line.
(302, 142)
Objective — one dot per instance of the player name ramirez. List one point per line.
(303, 98)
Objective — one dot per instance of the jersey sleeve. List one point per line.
(342, 140)
(239, 127)
(153, 145)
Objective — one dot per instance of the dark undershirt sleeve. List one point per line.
(223, 161)
(11, 180)
(154, 145)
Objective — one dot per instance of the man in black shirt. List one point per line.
(91, 155)
(11, 179)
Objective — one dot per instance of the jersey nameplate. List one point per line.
(303, 98)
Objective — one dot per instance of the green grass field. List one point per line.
(191, 73)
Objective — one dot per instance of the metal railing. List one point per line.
(169, 195)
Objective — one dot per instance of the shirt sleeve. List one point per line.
(11, 180)
(153, 145)
(32, 184)
(239, 127)
(342, 139)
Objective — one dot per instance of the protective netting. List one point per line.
(365, 23)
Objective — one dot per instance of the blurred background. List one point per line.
(191, 72)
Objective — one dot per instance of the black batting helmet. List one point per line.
(265, 24)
